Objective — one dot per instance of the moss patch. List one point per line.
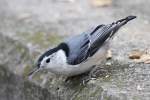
(40, 38)
(26, 71)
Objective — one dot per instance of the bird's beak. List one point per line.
(31, 74)
(34, 71)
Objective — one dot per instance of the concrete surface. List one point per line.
(30, 27)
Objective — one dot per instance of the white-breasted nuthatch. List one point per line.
(77, 55)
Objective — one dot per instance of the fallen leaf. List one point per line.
(140, 57)
(145, 58)
(147, 62)
(135, 54)
(99, 3)
(109, 54)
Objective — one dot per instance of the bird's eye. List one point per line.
(48, 60)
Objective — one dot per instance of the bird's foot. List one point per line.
(96, 72)
(83, 79)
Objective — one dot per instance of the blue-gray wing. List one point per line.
(78, 49)
(85, 45)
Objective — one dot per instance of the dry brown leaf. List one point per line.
(135, 54)
(145, 58)
(140, 57)
(147, 62)
(109, 54)
(99, 3)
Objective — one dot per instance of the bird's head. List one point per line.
(50, 59)
(46, 61)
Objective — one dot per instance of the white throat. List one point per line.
(61, 56)
(58, 63)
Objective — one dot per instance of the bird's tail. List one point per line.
(118, 24)
(105, 32)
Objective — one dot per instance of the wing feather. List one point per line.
(87, 44)
(79, 53)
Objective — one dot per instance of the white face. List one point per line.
(54, 60)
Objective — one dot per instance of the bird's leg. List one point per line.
(69, 78)
(97, 71)
(88, 77)
(82, 79)
(85, 80)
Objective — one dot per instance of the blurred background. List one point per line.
(29, 27)
(41, 22)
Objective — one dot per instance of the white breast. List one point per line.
(61, 67)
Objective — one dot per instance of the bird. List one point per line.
(77, 55)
